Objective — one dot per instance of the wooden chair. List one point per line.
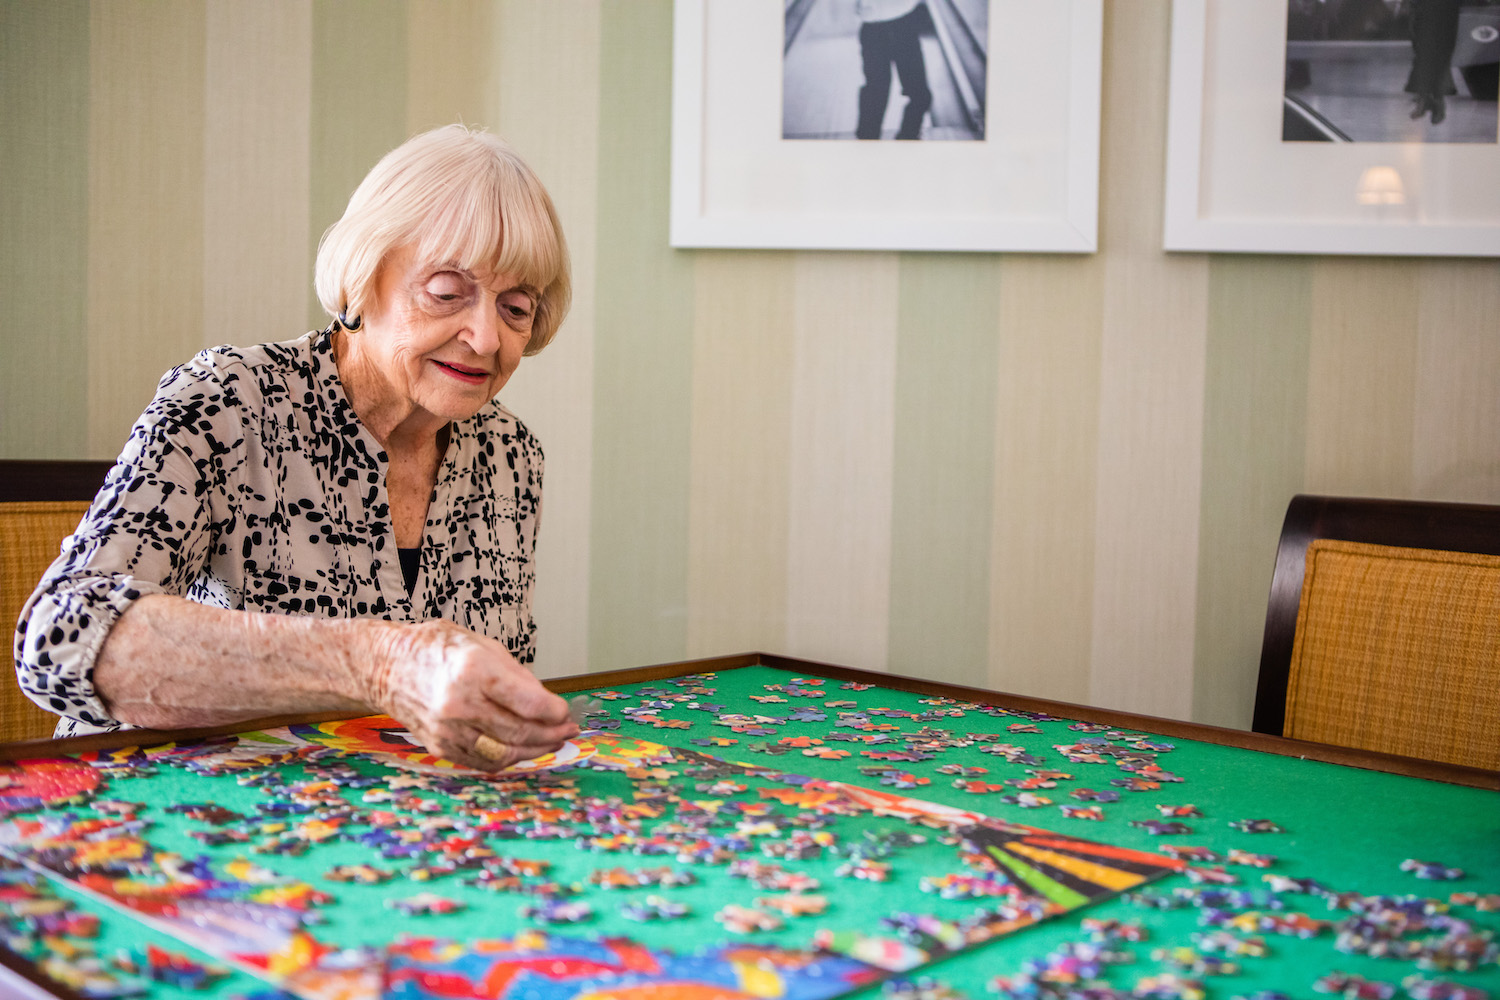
(40, 505)
(1383, 629)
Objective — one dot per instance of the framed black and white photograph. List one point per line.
(1391, 71)
(885, 69)
(886, 124)
(1334, 126)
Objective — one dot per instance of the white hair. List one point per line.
(459, 196)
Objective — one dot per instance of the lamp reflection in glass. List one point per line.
(1380, 186)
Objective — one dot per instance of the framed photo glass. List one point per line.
(1334, 127)
(966, 125)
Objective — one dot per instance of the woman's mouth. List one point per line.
(464, 373)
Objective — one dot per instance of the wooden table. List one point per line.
(1350, 818)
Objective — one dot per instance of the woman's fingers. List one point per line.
(512, 685)
(466, 757)
(503, 731)
(465, 745)
(491, 741)
(468, 746)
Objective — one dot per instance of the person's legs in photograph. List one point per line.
(912, 70)
(876, 53)
(1434, 33)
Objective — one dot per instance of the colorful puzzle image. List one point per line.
(36, 783)
(556, 967)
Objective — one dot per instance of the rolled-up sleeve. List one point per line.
(147, 532)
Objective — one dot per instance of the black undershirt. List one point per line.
(409, 561)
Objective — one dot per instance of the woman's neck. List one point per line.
(396, 422)
(414, 440)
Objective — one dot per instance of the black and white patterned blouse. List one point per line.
(249, 483)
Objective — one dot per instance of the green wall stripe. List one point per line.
(147, 109)
(44, 89)
(1254, 426)
(947, 346)
(358, 106)
(642, 356)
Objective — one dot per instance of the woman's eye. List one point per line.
(517, 309)
(448, 288)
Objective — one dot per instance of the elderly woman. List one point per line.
(345, 520)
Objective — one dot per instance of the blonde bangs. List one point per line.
(477, 230)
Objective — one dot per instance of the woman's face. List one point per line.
(443, 338)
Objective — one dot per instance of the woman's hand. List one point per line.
(450, 686)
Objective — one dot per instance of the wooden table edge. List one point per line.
(19, 973)
(1456, 774)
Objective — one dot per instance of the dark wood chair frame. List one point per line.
(1456, 527)
(27, 480)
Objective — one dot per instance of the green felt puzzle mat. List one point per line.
(752, 832)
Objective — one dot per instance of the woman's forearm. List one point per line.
(169, 663)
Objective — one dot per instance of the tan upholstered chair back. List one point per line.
(31, 534)
(1383, 629)
(40, 505)
(1398, 650)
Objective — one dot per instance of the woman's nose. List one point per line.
(482, 331)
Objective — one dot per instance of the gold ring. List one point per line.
(490, 749)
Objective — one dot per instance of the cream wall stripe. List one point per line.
(643, 356)
(256, 267)
(145, 273)
(1454, 454)
(452, 63)
(843, 382)
(547, 56)
(1255, 408)
(44, 155)
(1046, 454)
(358, 106)
(946, 351)
(737, 514)
(1150, 396)
(1150, 456)
(1361, 377)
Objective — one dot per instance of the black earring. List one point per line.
(349, 325)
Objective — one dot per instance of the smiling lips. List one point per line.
(463, 373)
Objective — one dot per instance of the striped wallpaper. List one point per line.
(1062, 476)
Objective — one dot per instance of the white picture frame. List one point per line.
(1032, 184)
(1233, 185)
